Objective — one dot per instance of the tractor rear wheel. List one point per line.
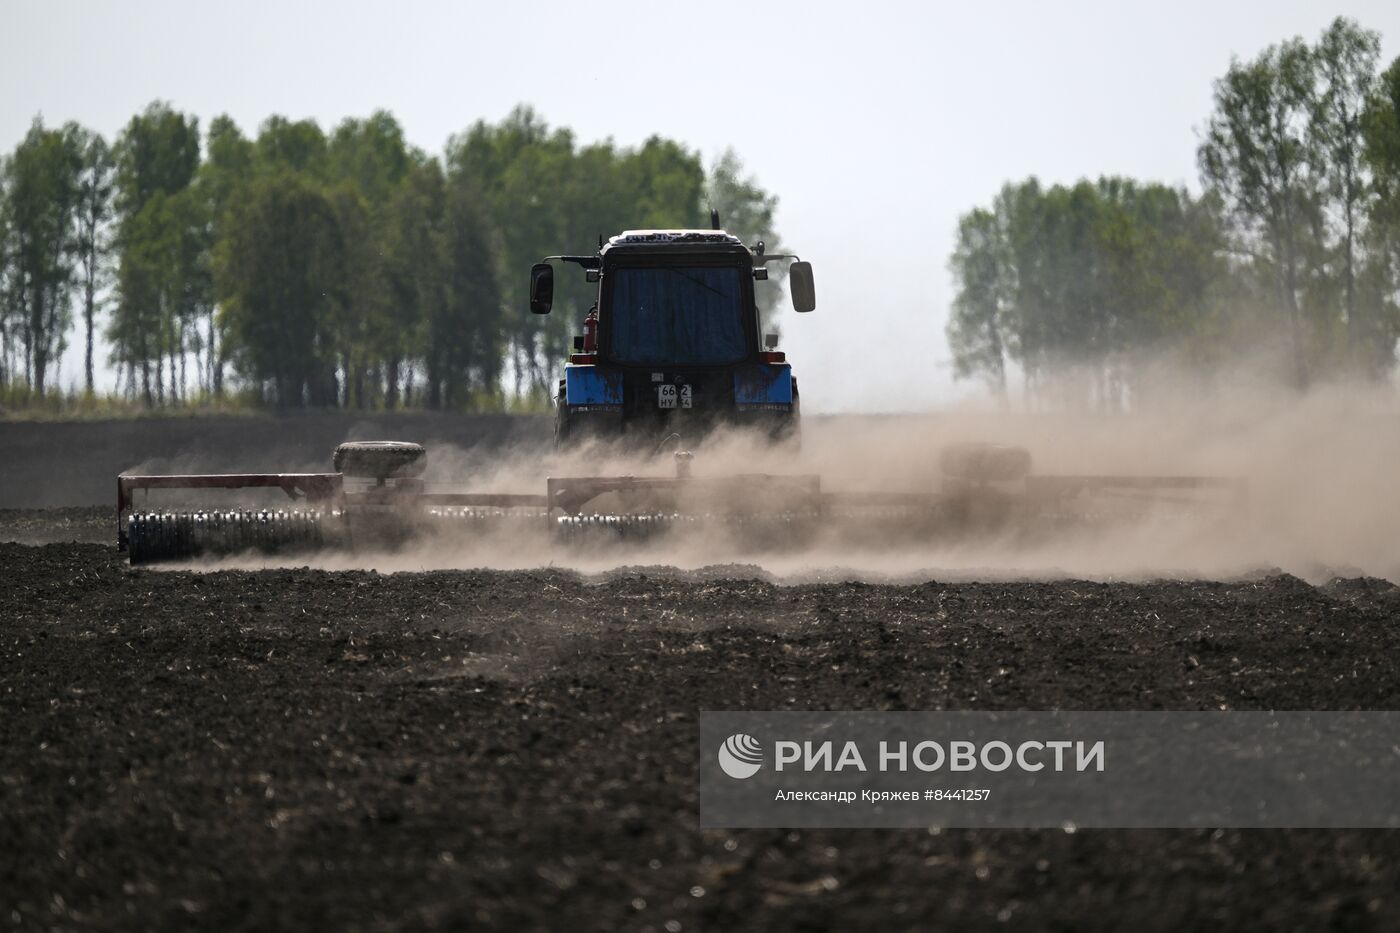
(380, 460)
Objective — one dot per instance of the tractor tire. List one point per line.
(380, 460)
(985, 463)
(792, 433)
(561, 420)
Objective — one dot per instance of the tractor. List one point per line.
(672, 347)
(673, 344)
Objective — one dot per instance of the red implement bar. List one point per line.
(1069, 485)
(314, 487)
(569, 494)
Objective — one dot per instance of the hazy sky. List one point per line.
(877, 124)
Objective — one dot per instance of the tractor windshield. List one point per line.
(677, 314)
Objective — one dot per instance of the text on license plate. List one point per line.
(669, 396)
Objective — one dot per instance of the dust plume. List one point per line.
(1318, 469)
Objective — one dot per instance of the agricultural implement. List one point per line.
(673, 347)
(376, 501)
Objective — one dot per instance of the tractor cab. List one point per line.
(673, 343)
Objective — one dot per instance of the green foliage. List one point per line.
(227, 167)
(982, 265)
(157, 152)
(1259, 157)
(1380, 279)
(325, 269)
(548, 197)
(282, 274)
(163, 282)
(297, 146)
(372, 154)
(465, 338)
(748, 212)
(1294, 247)
(42, 192)
(1345, 59)
(1285, 152)
(1079, 280)
(92, 234)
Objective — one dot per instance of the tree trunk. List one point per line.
(36, 353)
(391, 391)
(1295, 324)
(88, 302)
(41, 364)
(1288, 287)
(216, 359)
(180, 348)
(1353, 337)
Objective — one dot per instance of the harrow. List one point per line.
(376, 500)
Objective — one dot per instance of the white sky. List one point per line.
(876, 123)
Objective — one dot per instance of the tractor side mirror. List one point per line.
(804, 290)
(541, 287)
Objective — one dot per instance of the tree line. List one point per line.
(307, 268)
(1290, 254)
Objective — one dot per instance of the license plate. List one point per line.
(669, 396)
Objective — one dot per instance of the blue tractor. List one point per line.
(673, 344)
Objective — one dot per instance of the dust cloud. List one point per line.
(1319, 470)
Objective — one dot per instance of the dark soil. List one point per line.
(89, 525)
(311, 750)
